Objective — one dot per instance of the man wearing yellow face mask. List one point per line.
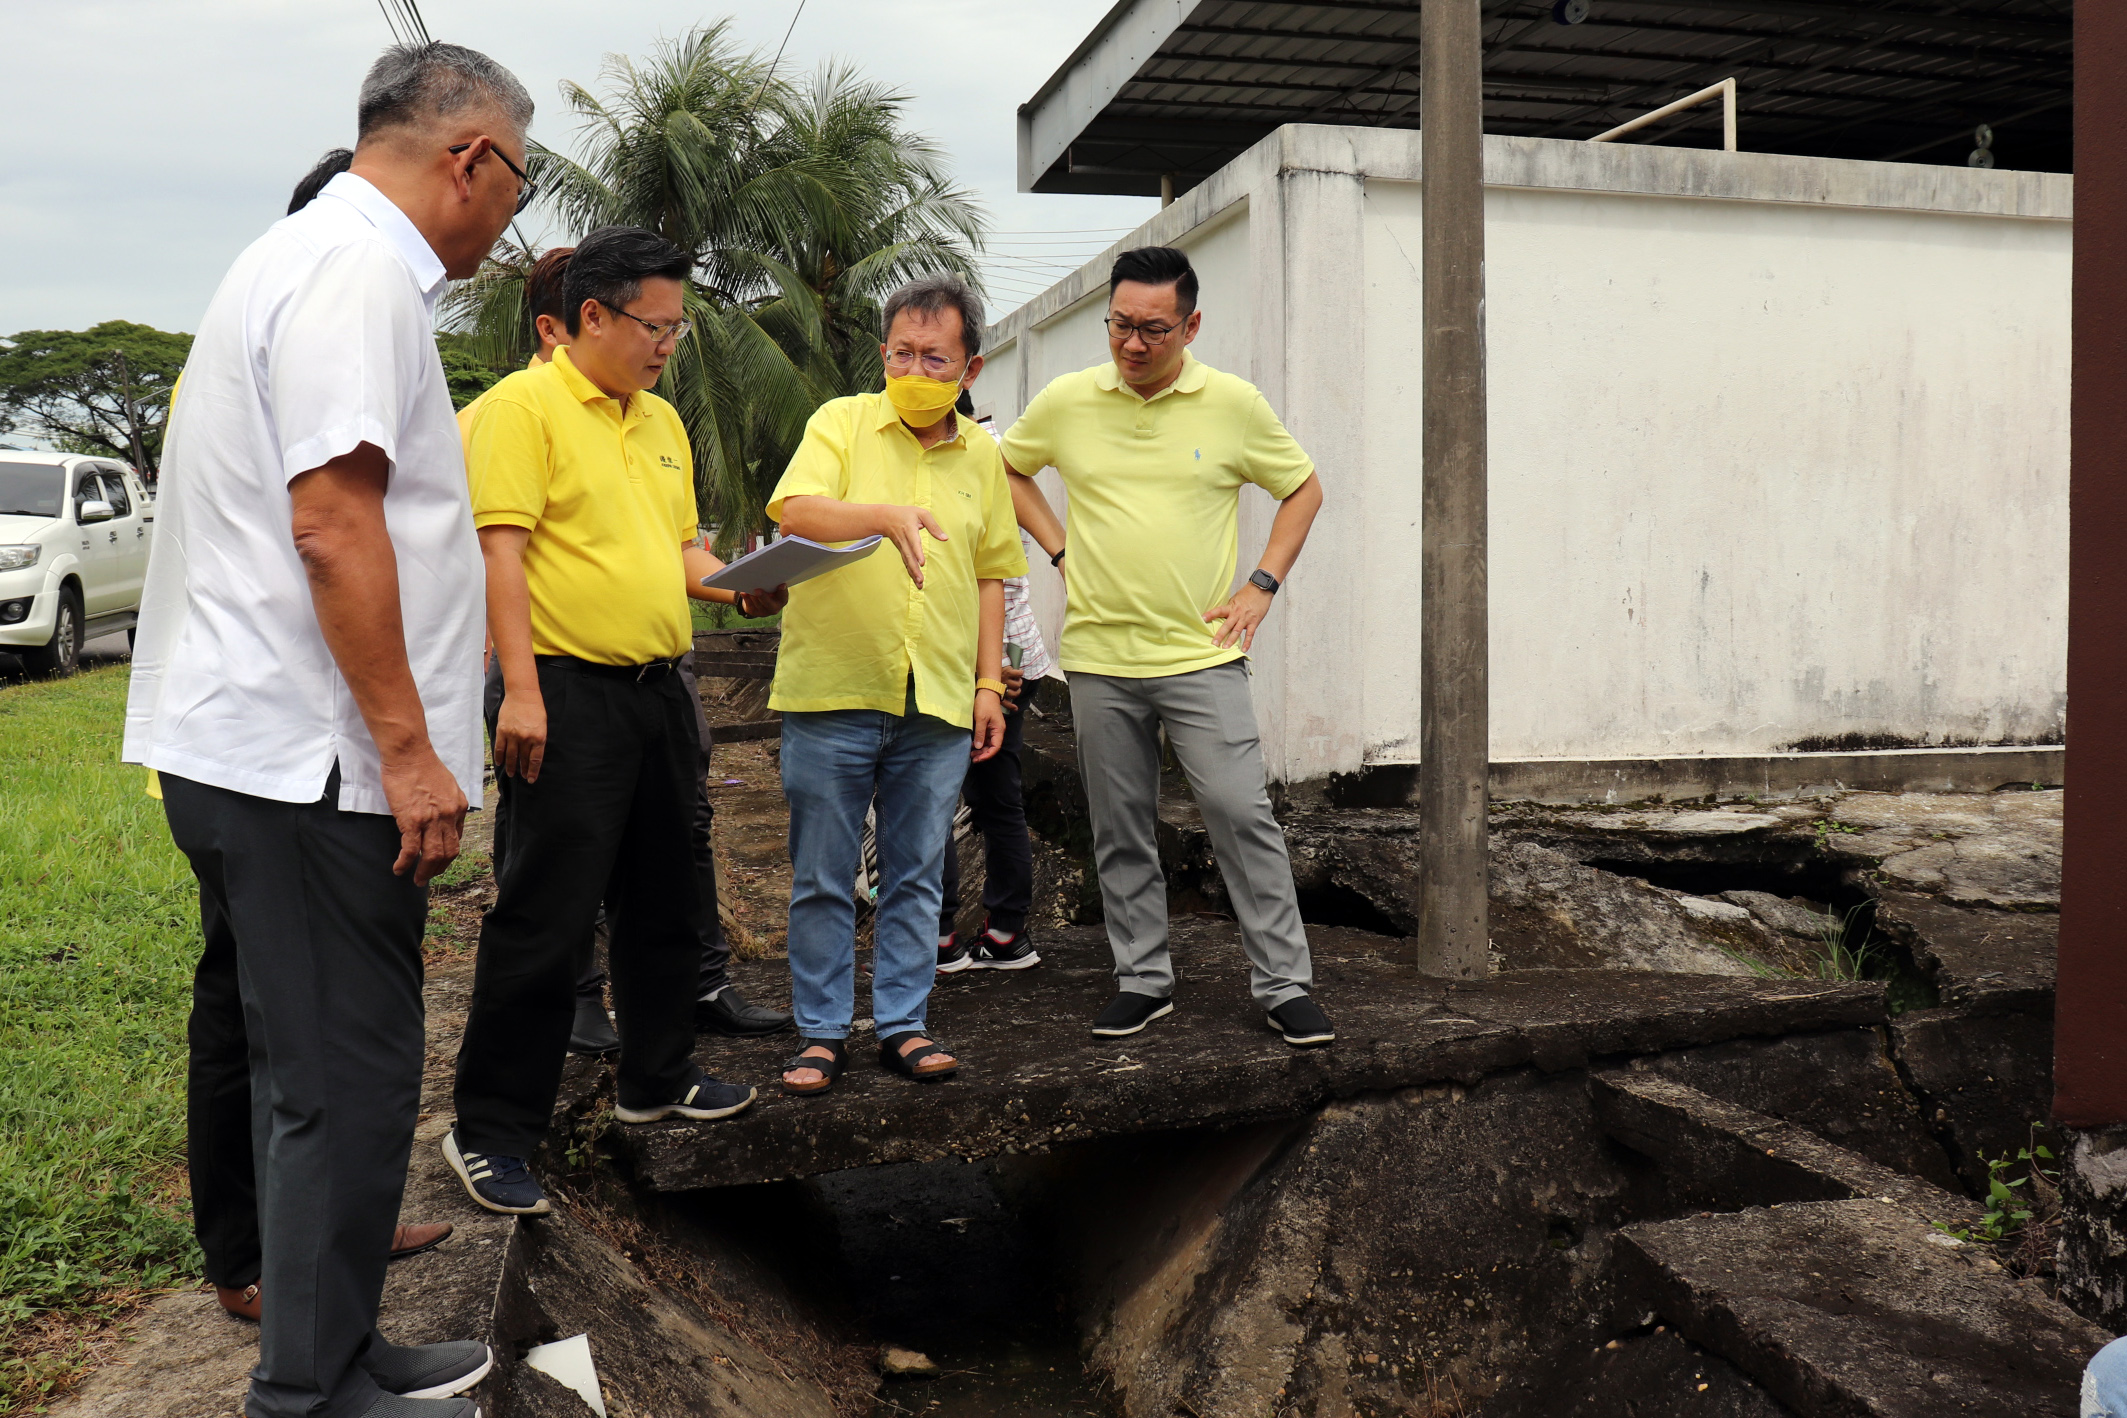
(890, 673)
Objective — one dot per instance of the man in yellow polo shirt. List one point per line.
(583, 493)
(1153, 448)
(888, 669)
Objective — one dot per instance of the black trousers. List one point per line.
(716, 950)
(993, 796)
(609, 820)
(325, 945)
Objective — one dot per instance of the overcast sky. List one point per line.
(148, 141)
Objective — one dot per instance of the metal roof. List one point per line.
(1182, 86)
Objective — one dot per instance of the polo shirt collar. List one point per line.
(887, 416)
(399, 232)
(1189, 381)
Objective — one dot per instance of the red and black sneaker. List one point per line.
(953, 957)
(994, 950)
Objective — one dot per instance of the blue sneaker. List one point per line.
(705, 1099)
(501, 1184)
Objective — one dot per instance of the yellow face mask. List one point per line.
(920, 398)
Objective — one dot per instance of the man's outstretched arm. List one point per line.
(340, 533)
(1031, 507)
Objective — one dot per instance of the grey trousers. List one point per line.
(328, 966)
(1211, 722)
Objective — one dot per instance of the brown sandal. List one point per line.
(891, 1055)
(829, 1068)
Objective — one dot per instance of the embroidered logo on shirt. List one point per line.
(1200, 455)
(666, 460)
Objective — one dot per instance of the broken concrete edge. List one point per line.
(1726, 1152)
(1684, 778)
(1556, 1020)
(1947, 1331)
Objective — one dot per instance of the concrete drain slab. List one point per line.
(1035, 1076)
(1856, 1308)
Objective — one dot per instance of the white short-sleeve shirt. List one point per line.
(320, 338)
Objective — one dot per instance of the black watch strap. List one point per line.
(1263, 581)
(1057, 559)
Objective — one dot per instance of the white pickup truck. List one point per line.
(74, 538)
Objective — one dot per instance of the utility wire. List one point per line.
(404, 19)
(778, 53)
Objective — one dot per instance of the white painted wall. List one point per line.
(1779, 445)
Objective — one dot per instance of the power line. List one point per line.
(403, 17)
(778, 53)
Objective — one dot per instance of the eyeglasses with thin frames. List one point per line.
(526, 189)
(1122, 330)
(933, 365)
(662, 333)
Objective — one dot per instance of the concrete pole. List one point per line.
(1453, 665)
(2090, 1011)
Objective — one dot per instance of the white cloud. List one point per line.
(149, 141)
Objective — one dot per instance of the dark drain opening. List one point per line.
(934, 1257)
(1334, 905)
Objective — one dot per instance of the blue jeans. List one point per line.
(2105, 1383)
(834, 763)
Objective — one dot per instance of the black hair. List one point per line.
(329, 166)
(543, 284)
(609, 266)
(1157, 266)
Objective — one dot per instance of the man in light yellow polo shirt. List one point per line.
(583, 493)
(1153, 448)
(889, 673)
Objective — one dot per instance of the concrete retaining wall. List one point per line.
(1779, 447)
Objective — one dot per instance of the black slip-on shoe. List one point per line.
(731, 1015)
(1303, 1024)
(428, 1370)
(1014, 953)
(1127, 1013)
(592, 1033)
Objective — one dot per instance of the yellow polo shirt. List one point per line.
(609, 500)
(1155, 508)
(852, 637)
(467, 414)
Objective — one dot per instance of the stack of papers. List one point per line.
(786, 563)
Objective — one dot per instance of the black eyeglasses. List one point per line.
(526, 191)
(677, 331)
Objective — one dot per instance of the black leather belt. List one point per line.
(592, 667)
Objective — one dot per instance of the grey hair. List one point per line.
(935, 295)
(411, 84)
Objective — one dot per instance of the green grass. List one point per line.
(99, 929)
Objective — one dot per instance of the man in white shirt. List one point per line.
(307, 684)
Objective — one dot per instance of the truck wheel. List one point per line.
(62, 652)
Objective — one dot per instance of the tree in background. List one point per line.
(104, 390)
(465, 373)
(803, 206)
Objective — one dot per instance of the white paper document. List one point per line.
(568, 1362)
(786, 563)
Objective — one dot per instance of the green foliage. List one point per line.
(1827, 827)
(95, 390)
(468, 375)
(2008, 1209)
(1846, 948)
(99, 930)
(803, 206)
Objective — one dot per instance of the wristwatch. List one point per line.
(1263, 581)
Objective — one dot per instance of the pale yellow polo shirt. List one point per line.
(852, 637)
(609, 500)
(1155, 508)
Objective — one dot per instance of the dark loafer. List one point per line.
(1302, 1023)
(1127, 1013)
(592, 1033)
(731, 1015)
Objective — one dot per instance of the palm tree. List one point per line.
(802, 206)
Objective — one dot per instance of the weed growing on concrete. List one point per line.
(1846, 946)
(1828, 827)
(2009, 1210)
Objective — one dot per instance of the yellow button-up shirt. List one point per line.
(608, 497)
(853, 637)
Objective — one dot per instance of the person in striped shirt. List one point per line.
(992, 795)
